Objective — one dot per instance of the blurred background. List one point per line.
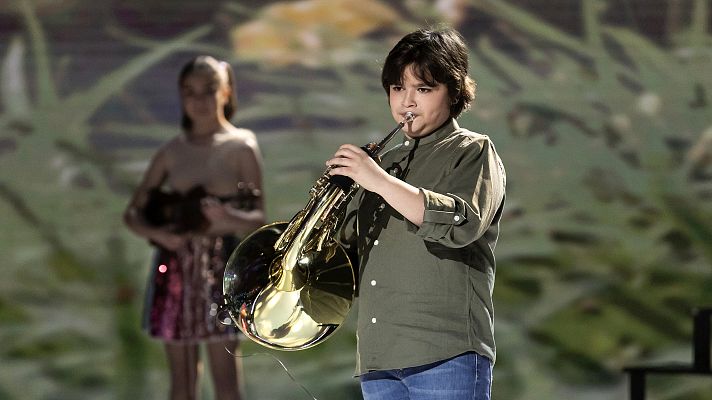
(600, 110)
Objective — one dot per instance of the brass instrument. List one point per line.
(289, 286)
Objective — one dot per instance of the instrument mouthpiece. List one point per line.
(409, 116)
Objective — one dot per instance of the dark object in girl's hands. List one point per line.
(182, 212)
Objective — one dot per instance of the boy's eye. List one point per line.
(424, 89)
(396, 88)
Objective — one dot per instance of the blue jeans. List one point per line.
(464, 377)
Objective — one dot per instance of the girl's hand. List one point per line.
(214, 210)
(169, 241)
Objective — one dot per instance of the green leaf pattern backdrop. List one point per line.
(600, 110)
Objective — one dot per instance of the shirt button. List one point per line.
(406, 143)
(457, 218)
(373, 282)
(375, 242)
(373, 320)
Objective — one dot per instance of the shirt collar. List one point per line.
(442, 132)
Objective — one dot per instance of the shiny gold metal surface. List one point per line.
(287, 307)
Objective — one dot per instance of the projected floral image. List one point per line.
(600, 110)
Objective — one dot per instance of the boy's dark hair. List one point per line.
(207, 63)
(437, 56)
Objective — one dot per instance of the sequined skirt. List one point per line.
(184, 296)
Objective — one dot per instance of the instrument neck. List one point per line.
(376, 149)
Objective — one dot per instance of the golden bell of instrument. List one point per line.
(291, 307)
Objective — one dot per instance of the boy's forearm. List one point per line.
(404, 198)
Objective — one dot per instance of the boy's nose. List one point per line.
(408, 99)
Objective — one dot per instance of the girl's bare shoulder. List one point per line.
(168, 148)
(239, 137)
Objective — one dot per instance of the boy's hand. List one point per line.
(350, 160)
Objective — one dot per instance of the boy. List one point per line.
(427, 226)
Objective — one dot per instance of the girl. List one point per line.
(199, 194)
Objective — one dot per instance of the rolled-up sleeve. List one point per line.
(461, 207)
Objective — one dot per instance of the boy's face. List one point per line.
(430, 104)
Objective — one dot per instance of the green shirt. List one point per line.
(425, 293)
